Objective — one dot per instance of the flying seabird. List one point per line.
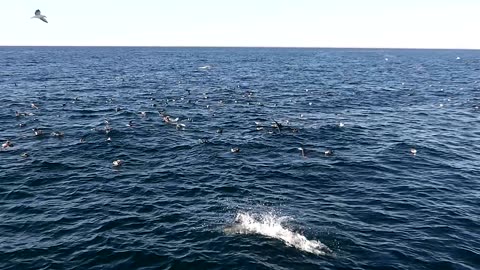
(38, 15)
(302, 150)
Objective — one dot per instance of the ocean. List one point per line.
(239, 158)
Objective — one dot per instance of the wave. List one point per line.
(271, 226)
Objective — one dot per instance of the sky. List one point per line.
(253, 23)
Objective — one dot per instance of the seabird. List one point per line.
(302, 150)
(277, 125)
(169, 119)
(235, 150)
(413, 151)
(180, 126)
(6, 144)
(117, 163)
(38, 15)
(24, 155)
(20, 114)
(37, 132)
(328, 152)
(57, 134)
(107, 128)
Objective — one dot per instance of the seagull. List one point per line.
(38, 15)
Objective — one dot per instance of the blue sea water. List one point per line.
(183, 200)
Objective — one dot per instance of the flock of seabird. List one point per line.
(271, 128)
(166, 119)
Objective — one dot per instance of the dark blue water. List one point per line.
(182, 200)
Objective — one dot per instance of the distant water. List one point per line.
(183, 200)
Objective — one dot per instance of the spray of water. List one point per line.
(271, 226)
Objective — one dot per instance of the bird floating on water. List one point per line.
(117, 163)
(57, 134)
(38, 15)
(413, 151)
(6, 144)
(37, 132)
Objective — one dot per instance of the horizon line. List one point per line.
(246, 47)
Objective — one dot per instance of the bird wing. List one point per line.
(37, 12)
(43, 19)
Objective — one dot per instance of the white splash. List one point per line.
(271, 226)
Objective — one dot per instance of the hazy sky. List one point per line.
(279, 23)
